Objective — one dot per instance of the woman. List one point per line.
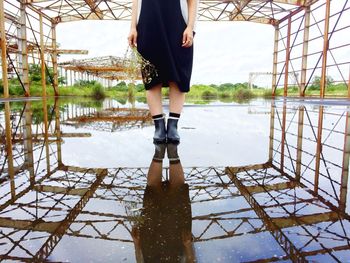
(163, 32)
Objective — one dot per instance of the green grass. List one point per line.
(225, 92)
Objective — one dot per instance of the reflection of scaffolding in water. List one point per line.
(112, 119)
(274, 198)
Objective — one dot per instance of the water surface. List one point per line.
(261, 181)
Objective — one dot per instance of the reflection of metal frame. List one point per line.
(33, 24)
(278, 199)
(111, 119)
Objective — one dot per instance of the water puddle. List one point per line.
(262, 181)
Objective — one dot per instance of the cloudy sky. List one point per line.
(224, 51)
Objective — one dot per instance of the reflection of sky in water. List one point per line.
(211, 135)
(226, 226)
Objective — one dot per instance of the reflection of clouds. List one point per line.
(232, 136)
(231, 250)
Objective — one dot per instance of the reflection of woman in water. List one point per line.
(164, 234)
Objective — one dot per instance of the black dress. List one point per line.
(160, 30)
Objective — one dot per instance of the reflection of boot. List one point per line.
(159, 152)
(172, 153)
(172, 133)
(160, 132)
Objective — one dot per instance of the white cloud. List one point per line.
(224, 51)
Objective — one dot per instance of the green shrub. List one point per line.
(202, 91)
(267, 93)
(16, 90)
(224, 95)
(243, 94)
(208, 94)
(226, 86)
(98, 92)
(140, 87)
(85, 83)
(121, 86)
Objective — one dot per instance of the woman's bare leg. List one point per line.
(176, 171)
(154, 100)
(176, 98)
(154, 176)
(176, 102)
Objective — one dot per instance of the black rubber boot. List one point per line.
(160, 132)
(172, 153)
(159, 152)
(172, 133)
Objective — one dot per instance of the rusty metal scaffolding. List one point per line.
(110, 119)
(307, 40)
(297, 197)
(109, 68)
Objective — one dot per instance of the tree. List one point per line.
(35, 74)
(316, 83)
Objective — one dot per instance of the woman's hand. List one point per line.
(187, 37)
(132, 38)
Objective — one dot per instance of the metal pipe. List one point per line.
(305, 52)
(28, 141)
(9, 153)
(24, 68)
(272, 128)
(345, 166)
(299, 143)
(66, 76)
(46, 135)
(71, 77)
(58, 131)
(275, 60)
(286, 69)
(349, 85)
(54, 59)
(42, 56)
(3, 50)
(283, 134)
(325, 50)
(318, 148)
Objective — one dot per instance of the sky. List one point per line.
(223, 51)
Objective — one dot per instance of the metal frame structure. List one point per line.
(28, 35)
(100, 68)
(308, 44)
(297, 197)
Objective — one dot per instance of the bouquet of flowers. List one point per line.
(133, 212)
(134, 63)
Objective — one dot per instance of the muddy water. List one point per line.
(260, 181)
